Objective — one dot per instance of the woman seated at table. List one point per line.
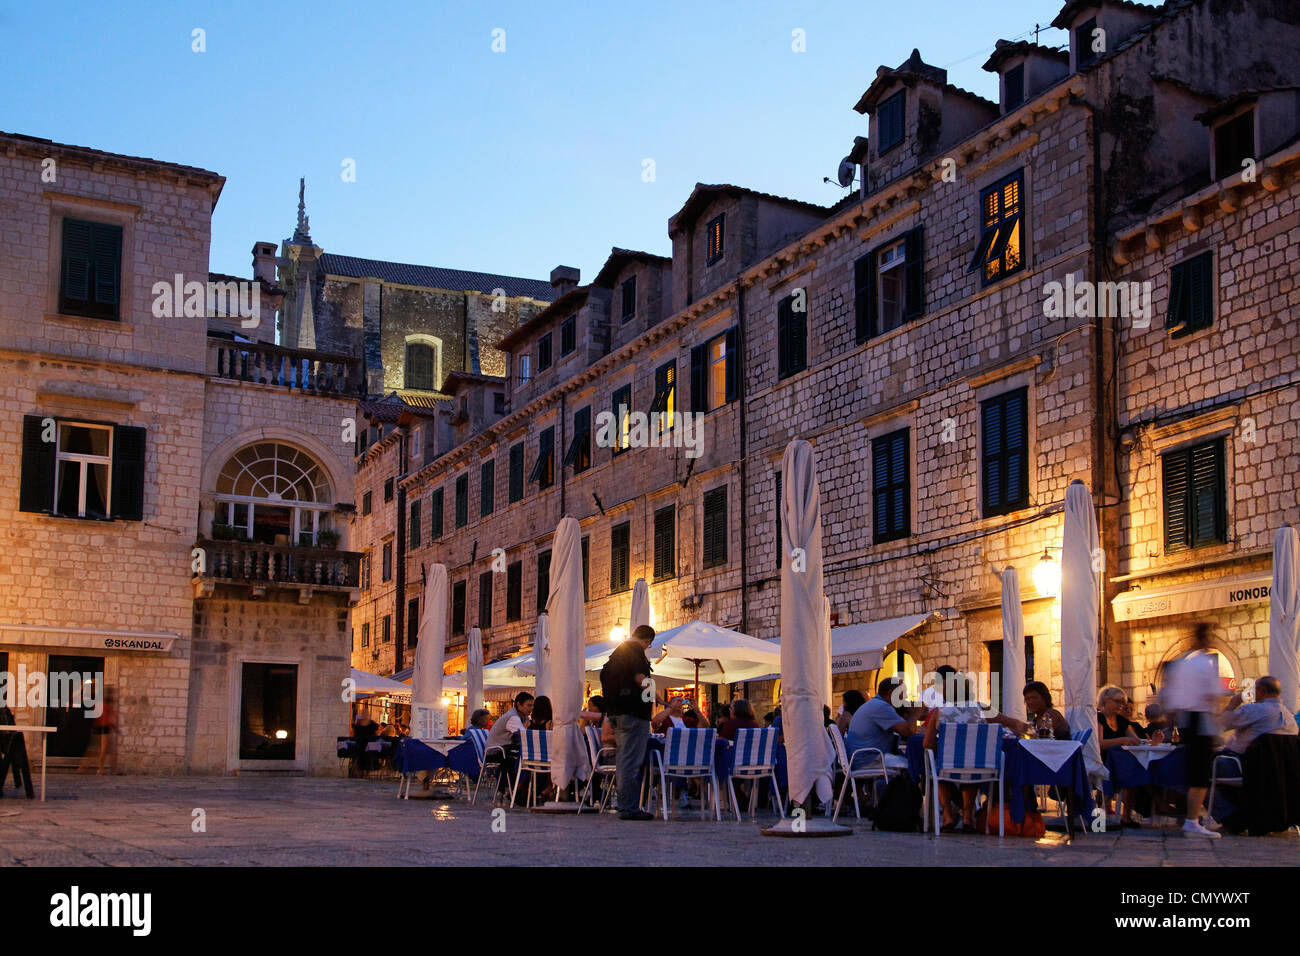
(479, 720)
(1117, 731)
(958, 707)
(1038, 705)
(542, 716)
(742, 717)
(850, 701)
(594, 713)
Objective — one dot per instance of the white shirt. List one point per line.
(1193, 684)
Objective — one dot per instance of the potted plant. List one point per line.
(224, 532)
(327, 538)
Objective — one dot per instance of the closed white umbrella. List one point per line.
(1080, 617)
(1284, 616)
(428, 718)
(640, 606)
(473, 673)
(1013, 647)
(568, 628)
(542, 656)
(805, 630)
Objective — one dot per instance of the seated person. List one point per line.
(594, 714)
(1266, 716)
(505, 734)
(957, 705)
(874, 725)
(1117, 731)
(674, 715)
(363, 727)
(1158, 726)
(742, 717)
(542, 717)
(479, 720)
(1038, 705)
(1268, 800)
(851, 700)
(694, 718)
(724, 715)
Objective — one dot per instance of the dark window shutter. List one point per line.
(514, 591)
(697, 379)
(36, 491)
(1208, 498)
(779, 545)
(665, 543)
(128, 472)
(715, 528)
(76, 260)
(880, 488)
(914, 276)
(586, 569)
(733, 364)
(783, 343)
(898, 479)
(993, 427)
(543, 580)
(864, 293)
(435, 514)
(1177, 289)
(1199, 314)
(106, 257)
(487, 486)
(891, 490)
(1177, 531)
(1016, 450)
(517, 472)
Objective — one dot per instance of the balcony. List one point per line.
(300, 370)
(262, 566)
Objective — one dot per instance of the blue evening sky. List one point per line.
(508, 162)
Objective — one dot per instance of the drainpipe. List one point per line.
(399, 546)
(744, 457)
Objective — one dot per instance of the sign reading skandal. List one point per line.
(1190, 598)
(51, 636)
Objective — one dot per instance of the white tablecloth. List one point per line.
(1145, 753)
(1051, 753)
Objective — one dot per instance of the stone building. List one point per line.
(175, 525)
(918, 333)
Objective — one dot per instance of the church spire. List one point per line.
(302, 232)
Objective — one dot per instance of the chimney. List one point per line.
(264, 260)
(564, 279)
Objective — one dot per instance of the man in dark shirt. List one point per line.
(629, 693)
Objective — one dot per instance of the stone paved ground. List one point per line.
(123, 821)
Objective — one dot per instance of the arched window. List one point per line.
(274, 493)
(421, 366)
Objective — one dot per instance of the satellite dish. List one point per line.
(847, 170)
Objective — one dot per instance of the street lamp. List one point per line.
(618, 633)
(1047, 576)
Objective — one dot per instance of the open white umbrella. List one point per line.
(473, 673)
(1080, 618)
(566, 611)
(640, 606)
(428, 716)
(1013, 647)
(805, 630)
(1284, 616)
(540, 659)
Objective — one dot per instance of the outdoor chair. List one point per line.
(602, 765)
(968, 754)
(535, 758)
(870, 767)
(478, 736)
(754, 758)
(688, 754)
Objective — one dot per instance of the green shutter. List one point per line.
(864, 295)
(76, 260)
(1174, 320)
(914, 275)
(36, 487)
(128, 472)
(733, 364)
(1208, 504)
(1176, 495)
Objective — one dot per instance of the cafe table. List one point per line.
(412, 755)
(14, 754)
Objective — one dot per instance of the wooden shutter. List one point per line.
(105, 258)
(1177, 290)
(76, 260)
(733, 364)
(779, 545)
(914, 274)
(413, 533)
(128, 473)
(1176, 488)
(36, 488)
(783, 356)
(1201, 286)
(891, 489)
(514, 591)
(864, 295)
(1016, 450)
(698, 403)
(1209, 511)
(517, 472)
(665, 543)
(487, 486)
(880, 489)
(715, 528)
(993, 428)
(619, 545)
(435, 514)
(543, 580)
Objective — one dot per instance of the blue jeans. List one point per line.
(631, 736)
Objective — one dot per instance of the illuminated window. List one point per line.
(83, 463)
(622, 416)
(1000, 250)
(715, 372)
(714, 240)
(664, 403)
(275, 493)
(579, 451)
(419, 370)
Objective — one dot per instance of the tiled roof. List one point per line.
(703, 194)
(1228, 104)
(90, 154)
(1072, 7)
(1005, 49)
(617, 257)
(421, 400)
(451, 384)
(571, 300)
(913, 66)
(435, 277)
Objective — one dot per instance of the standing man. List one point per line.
(1194, 693)
(629, 692)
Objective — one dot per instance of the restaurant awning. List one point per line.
(861, 647)
(370, 685)
(42, 635)
(1139, 604)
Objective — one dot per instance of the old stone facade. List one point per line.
(911, 333)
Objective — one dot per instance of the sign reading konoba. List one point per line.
(1190, 598)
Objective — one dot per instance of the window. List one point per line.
(388, 490)
(622, 419)
(544, 352)
(629, 298)
(367, 502)
(889, 285)
(458, 608)
(412, 621)
(525, 368)
(620, 557)
(1005, 423)
(543, 579)
(714, 240)
(413, 527)
(498, 403)
(514, 591)
(999, 252)
(1234, 142)
(1191, 295)
(462, 501)
(1083, 43)
(274, 493)
(365, 634)
(889, 123)
(487, 484)
(665, 400)
(485, 599)
(579, 452)
(418, 371)
(586, 567)
(366, 561)
(386, 629)
(665, 543)
(386, 573)
(435, 514)
(516, 472)
(82, 469)
(544, 468)
(792, 334)
(1013, 87)
(891, 487)
(268, 711)
(1195, 493)
(569, 335)
(715, 371)
(90, 278)
(715, 528)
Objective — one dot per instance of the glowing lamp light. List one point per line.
(1047, 576)
(618, 633)
(446, 701)
(282, 735)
